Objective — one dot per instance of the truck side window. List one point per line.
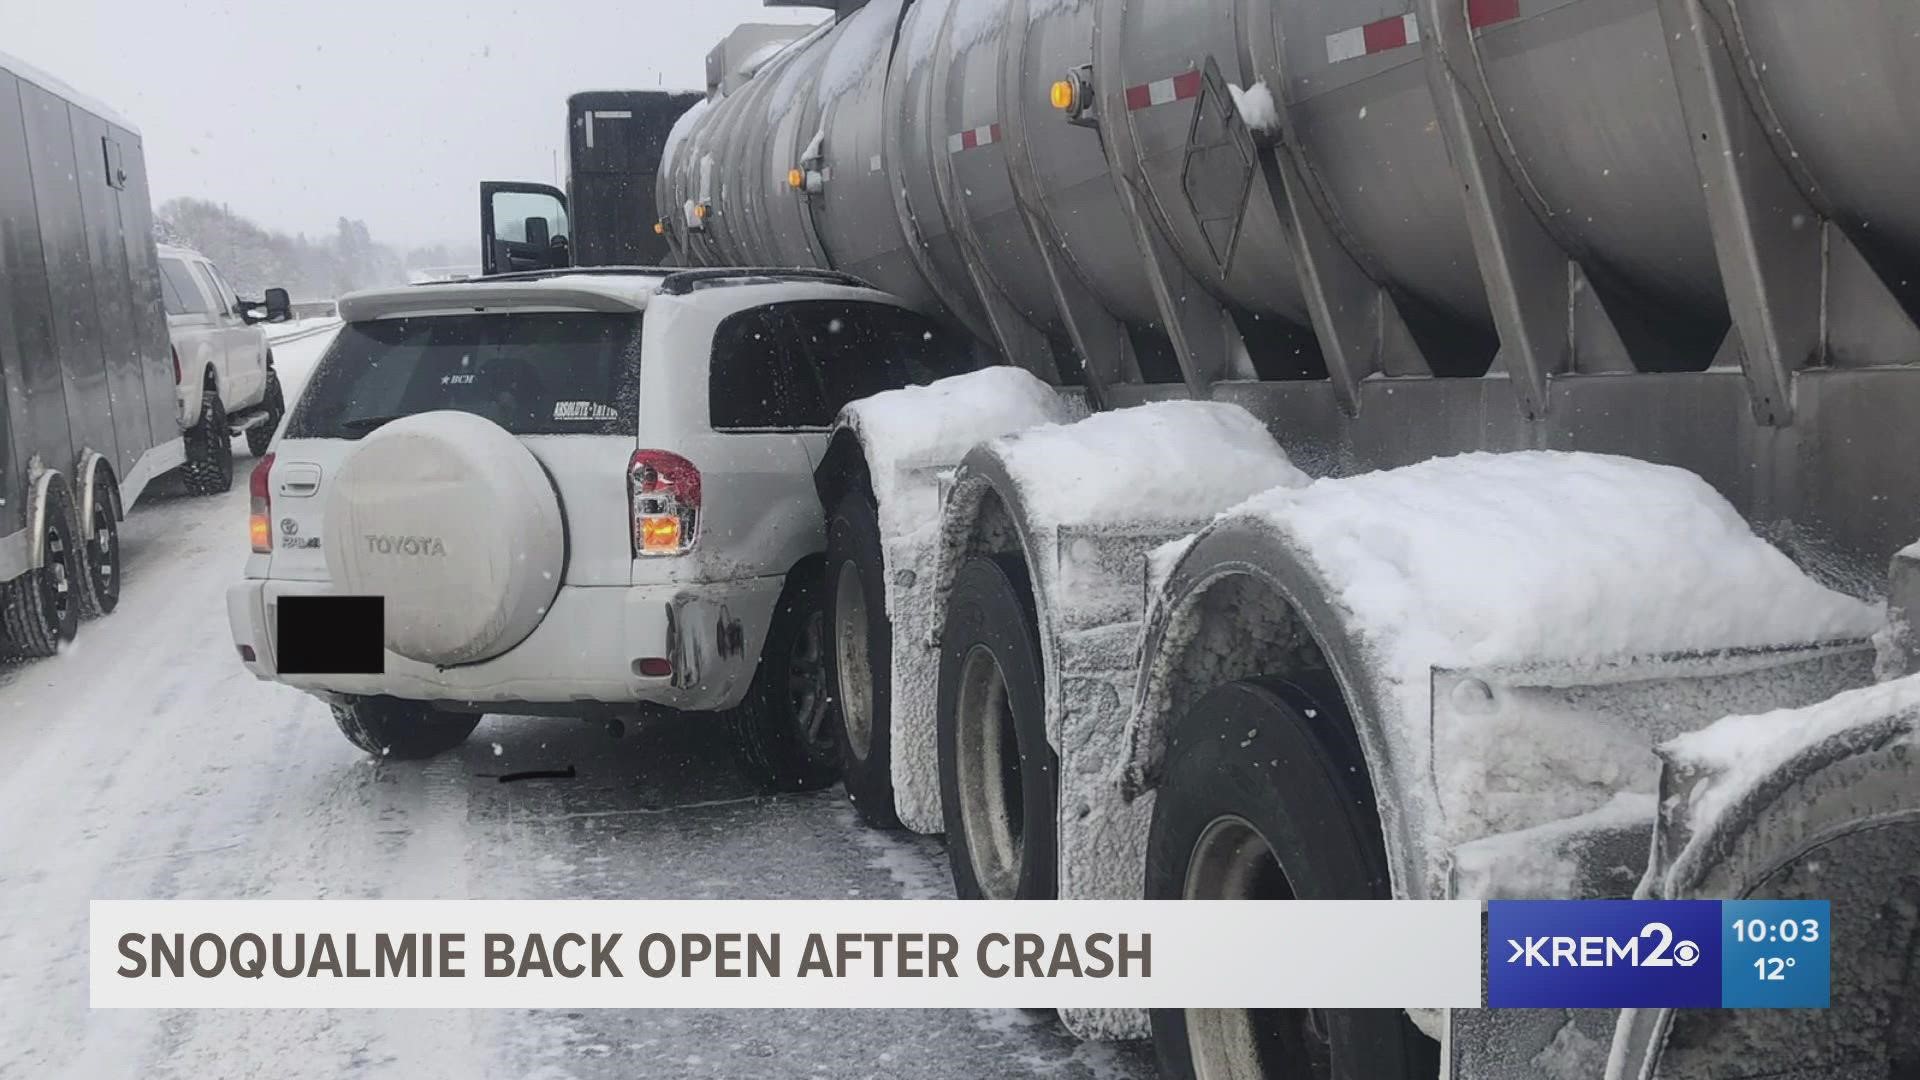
(185, 288)
(761, 378)
(221, 288)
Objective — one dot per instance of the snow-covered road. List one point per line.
(143, 762)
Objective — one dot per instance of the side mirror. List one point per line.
(537, 232)
(279, 306)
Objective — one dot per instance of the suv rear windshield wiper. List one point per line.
(364, 425)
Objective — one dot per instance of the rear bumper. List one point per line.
(584, 655)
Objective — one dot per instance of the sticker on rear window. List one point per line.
(584, 410)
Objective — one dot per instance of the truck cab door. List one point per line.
(523, 227)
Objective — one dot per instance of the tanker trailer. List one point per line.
(1459, 454)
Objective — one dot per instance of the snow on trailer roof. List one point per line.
(608, 291)
(60, 89)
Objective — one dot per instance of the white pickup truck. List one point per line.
(222, 366)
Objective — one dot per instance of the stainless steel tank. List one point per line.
(1438, 179)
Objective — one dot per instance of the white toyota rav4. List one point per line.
(578, 493)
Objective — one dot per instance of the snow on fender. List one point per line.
(454, 522)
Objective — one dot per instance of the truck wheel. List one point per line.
(42, 607)
(101, 550)
(406, 730)
(997, 774)
(209, 467)
(1257, 805)
(260, 436)
(783, 729)
(860, 663)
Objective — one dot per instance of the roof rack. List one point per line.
(560, 271)
(682, 282)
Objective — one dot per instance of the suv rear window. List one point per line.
(559, 373)
(796, 364)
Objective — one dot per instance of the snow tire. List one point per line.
(1266, 795)
(209, 467)
(999, 778)
(41, 608)
(783, 728)
(860, 663)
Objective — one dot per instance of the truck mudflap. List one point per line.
(1821, 803)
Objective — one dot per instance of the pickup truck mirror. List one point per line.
(279, 306)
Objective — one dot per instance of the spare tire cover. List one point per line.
(451, 519)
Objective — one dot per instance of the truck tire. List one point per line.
(405, 730)
(41, 607)
(783, 728)
(860, 663)
(998, 776)
(1260, 803)
(100, 552)
(209, 467)
(260, 436)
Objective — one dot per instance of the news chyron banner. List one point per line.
(954, 954)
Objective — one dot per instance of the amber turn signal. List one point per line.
(1063, 95)
(659, 228)
(796, 179)
(660, 532)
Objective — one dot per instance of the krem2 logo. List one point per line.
(1653, 947)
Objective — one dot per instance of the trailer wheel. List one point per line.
(260, 436)
(998, 776)
(783, 729)
(860, 663)
(1259, 803)
(404, 730)
(42, 607)
(101, 550)
(209, 467)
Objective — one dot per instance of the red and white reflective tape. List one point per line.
(1386, 35)
(1182, 87)
(973, 138)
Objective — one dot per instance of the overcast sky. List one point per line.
(387, 110)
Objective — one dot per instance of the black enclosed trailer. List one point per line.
(87, 414)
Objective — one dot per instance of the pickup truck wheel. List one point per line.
(41, 608)
(209, 467)
(860, 662)
(405, 730)
(1259, 803)
(998, 776)
(260, 436)
(783, 728)
(101, 550)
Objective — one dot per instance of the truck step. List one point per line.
(243, 422)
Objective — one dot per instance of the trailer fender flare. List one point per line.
(44, 484)
(93, 465)
(1242, 601)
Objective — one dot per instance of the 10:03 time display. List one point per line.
(1760, 931)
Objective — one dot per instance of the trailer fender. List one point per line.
(45, 482)
(94, 465)
(1240, 601)
(904, 446)
(1815, 803)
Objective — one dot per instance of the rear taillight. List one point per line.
(260, 515)
(663, 491)
(176, 367)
